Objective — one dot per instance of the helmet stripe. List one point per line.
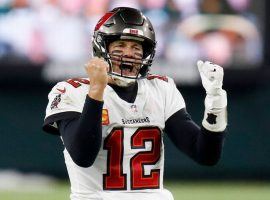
(105, 18)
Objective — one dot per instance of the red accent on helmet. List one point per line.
(134, 31)
(105, 18)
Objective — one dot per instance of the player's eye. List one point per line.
(138, 55)
(137, 48)
(117, 52)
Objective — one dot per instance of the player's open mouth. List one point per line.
(126, 67)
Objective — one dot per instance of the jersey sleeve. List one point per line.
(63, 104)
(174, 100)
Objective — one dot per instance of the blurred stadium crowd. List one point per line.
(57, 33)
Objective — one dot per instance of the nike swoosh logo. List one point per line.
(62, 91)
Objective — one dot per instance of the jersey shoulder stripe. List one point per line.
(156, 76)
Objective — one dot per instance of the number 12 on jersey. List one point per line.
(115, 179)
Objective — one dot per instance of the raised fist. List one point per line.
(212, 77)
(97, 69)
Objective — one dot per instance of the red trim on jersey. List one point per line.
(153, 76)
(76, 82)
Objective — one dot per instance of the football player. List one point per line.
(112, 123)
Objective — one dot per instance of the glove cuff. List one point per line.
(217, 101)
(215, 114)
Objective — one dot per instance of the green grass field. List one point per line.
(180, 190)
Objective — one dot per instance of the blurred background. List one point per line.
(46, 41)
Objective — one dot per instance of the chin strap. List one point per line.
(215, 114)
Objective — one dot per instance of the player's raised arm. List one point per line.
(203, 144)
(82, 136)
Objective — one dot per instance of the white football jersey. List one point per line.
(130, 162)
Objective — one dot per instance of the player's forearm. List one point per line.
(209, 146)
(201, 145)
(82, 136)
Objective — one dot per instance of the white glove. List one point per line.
(215, 115)
(212, 77)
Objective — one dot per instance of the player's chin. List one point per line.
(133, 73)
(127, 72)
